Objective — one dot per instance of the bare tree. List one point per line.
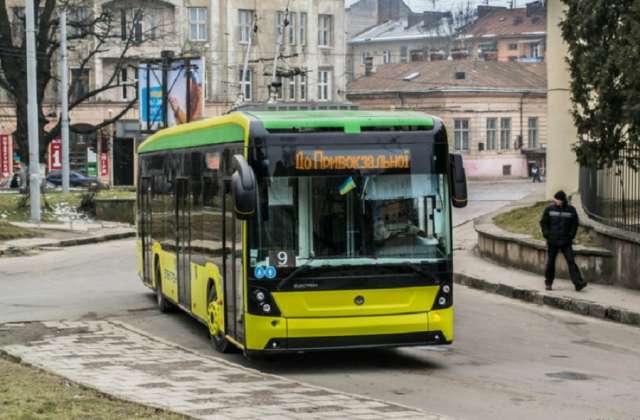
(95, 33)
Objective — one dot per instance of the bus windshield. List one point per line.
(354, 219)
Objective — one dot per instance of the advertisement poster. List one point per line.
(55, 155)
(150, 96)
(6, 152)
(185, 90)
(104, 164)
(92, 162)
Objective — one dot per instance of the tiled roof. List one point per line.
(441, 75)
(507, 22)
(395, 30)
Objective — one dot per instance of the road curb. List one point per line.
(578, 306)
(63, 243)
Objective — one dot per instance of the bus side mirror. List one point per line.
(458, 182)
(243, 188)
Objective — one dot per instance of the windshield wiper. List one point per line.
(300, 270)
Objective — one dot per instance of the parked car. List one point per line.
(76, 179)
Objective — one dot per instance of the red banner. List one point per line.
(55, 155)
(6, 158)
(104, 164)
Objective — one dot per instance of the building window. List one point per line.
(153, 17)
(534, 50)
(505, 133)
(492, 134)
(79, 83)
(123, 83)
(533, 133)
(77, 18)
(302, 28)
(198, 24)
(461, 134)
(280, 25)
(404, 52)
(245, 26)
(18, 23)
(325, 30)
(279, 88)
(324, 85)
(386, 56)
(365, 54)
(302, 85)
(292, 88)
(245, 85)
(513, 47)
(292, 28)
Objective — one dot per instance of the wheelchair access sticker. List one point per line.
(259, 272)
(271, 272)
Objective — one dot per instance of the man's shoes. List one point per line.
(581, 286)
(548, 287)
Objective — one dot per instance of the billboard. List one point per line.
(6, 155)
(184, 92)
(150, 96)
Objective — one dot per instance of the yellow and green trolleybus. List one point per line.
(298, 231)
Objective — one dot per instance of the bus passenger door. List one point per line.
(233, 279)
(183, 242)
(145, 229)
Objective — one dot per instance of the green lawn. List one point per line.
(526, 220)
(16, 207)
(9, 231)
(29, 393)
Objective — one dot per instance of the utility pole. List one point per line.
(32, 113)
(64, 99)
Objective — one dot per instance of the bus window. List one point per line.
(369, 219)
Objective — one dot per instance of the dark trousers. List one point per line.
(567, 251)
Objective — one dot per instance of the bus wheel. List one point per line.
(163, 304)
(216, 335)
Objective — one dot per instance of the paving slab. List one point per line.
(117, 359)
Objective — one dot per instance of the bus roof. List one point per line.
(234, 127)
(348, 121)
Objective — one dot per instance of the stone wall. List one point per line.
(526, 253)
(116, 210)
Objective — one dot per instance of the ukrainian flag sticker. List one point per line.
(347, 186)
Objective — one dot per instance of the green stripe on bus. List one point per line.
(349, 121)
(225, 133)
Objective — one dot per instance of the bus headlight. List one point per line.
(262, 303)
(446, 288)
(444, 299)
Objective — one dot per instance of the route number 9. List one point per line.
(282, 258)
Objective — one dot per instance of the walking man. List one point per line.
(559, 226)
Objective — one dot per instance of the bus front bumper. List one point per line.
(316, 334)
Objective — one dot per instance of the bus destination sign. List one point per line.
(317, 159)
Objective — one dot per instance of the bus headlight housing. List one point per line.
(444, 299)
(261, 303)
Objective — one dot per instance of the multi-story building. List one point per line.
(495, 112)
(501, 34)
(312, 67)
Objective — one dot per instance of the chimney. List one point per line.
(485, 10)
(368, 66)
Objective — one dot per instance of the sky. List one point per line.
(421, 5)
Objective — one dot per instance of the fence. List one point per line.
(612, 195)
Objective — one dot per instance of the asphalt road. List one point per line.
(509, 360)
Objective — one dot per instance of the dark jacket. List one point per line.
(559, 224)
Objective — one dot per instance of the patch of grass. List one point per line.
(9, 231)
(15, 207)
(526, 221)
(29, 393)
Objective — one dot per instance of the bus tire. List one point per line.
(217, 340)
(163, 304)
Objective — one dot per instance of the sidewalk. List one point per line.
(596, 300)
(56, 235)
(117, 359)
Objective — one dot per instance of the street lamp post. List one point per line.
(32, 113)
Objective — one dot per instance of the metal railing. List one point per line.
(612, 195)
